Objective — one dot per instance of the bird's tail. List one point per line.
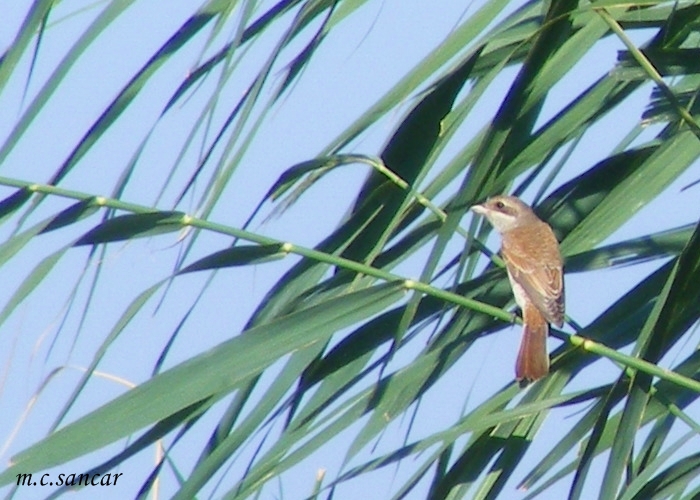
(533, 360)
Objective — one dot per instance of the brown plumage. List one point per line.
(535, 271)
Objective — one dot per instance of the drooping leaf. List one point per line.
(129, 226)
(210, 374)
(237, 256)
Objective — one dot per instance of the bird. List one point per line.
(534, 264)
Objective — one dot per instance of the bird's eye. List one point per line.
(500, 205)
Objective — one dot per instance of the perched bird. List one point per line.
(535, 271)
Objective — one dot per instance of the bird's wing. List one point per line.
(535, 264)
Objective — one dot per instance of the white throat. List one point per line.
(502, 222)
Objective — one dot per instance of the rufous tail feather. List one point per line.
(533, 360)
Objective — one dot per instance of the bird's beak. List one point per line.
(479, 209)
